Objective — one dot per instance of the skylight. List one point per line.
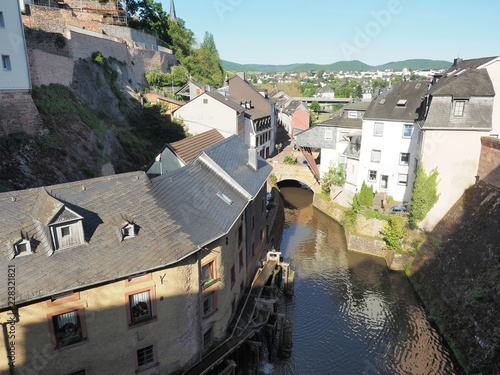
(225, 198)
(401, 102)
(382, 101)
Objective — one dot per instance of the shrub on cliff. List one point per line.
(334, 175)
(424, 195)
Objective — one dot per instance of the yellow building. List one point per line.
(126, 274)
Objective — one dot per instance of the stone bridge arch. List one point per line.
(297, 172)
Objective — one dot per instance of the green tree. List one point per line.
(182, 41)
(379, 83)
(315, 107)
(393, 233)
(358, 91)
(334, 175)
(424, 195)
(147, 15)
(365, 197)
(206, 64)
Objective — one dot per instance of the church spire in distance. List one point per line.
(173, 16)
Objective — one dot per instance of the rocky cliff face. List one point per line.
(457, 274)
(93, 128)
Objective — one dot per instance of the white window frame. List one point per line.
(135, 299)
(328, 135)
(373, 158)
(149, 354)
(405, 127)
(208, 274)
(458, 108)
(20, 245)
(209, 303)
(402, 180)
(128, 231)
(370, 179)
(7, 66)
(378, 129)
(402, 156)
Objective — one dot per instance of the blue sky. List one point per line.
(326, 31)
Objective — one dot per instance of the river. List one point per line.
(350, 314)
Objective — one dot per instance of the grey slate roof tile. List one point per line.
(385, 107)
(176, 214)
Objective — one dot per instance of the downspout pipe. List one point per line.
(10, 351)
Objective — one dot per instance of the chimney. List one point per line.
(457, 61)
(252, 158)
(241, 75)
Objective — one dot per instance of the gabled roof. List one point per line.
(357, 106)
(189, 148)
(226, 100)
(389, 104)
(175, 215)
(464, 79)
(232, 158)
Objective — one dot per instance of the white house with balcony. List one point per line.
(389, 154)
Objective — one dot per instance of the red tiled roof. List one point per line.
(188, 149)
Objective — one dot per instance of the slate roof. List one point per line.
(233, 160)
(341, 120)
(189, 148)
(464, 80)
(230, 102)
(175, 215)
(357, 106)
(385, 107)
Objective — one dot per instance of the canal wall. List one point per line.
(275, 220)
(365, 239)
(456, 273)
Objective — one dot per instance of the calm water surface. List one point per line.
(350, 314)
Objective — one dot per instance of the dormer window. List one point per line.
(66, 229)
(458, 108)
(128, 231)
(22, 247)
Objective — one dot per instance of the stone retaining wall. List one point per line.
(489, 162)
(363, 243)
(18, 113)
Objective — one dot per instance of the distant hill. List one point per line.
(421, 64)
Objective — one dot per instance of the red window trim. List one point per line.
(137, 279)
(152, 301)
(81, 314)
(59, 301)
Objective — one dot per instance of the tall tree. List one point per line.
(207, 65)
(147, 15)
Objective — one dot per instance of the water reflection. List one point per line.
(351, 314)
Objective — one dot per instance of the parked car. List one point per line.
(398, 209)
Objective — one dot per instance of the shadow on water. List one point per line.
(351, 315)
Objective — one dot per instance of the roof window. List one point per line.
(402, 103)
(382, 101)
(22, 247)
(225, 198)
(128, 231)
